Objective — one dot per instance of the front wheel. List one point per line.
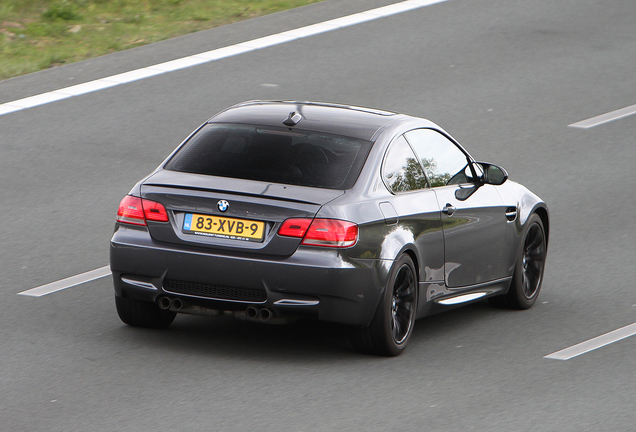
(529, 269)
(392, 325)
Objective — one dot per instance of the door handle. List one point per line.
(449, 209)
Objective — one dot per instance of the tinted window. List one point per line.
(401, 170)
(273, 155)
(443, 162)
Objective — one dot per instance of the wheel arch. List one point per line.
(407, 249)
(542, 212)
(414, 258)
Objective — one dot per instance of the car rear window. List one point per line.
(274, 155)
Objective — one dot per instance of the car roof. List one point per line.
(352, 121)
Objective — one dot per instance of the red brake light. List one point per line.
(294, 227)
(321, 232)
(331, 233)
(131, 211)
(135, 211)
(155, 211)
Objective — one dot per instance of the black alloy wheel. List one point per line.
(529, 269)
(403, 304)
(533, 261)
(392, 325)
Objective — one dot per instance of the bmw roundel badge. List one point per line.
(223, 205)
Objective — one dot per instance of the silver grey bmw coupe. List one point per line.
(367, 218)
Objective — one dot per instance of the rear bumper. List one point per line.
(316, 282)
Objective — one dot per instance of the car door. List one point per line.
(416, 210)
(473, 215)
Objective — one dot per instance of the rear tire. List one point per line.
(529, 269)
(392, 325)
(143, 314)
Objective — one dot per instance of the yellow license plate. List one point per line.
(231, 228)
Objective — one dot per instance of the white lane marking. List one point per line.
(592, 344)
(605, 118)
(217, 54)
(67, 283)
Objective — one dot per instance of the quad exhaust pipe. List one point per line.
(177, 305)
(258, 314)
(174, 305)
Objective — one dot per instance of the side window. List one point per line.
(401, 171)
(442, 160)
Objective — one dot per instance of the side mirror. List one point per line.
(492, 174)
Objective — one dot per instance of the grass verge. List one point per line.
(40, 34)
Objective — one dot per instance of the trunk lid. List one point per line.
(232, 215)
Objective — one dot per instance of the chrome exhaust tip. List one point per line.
(176, 305)
(164, 303)
(265, 314)
(251, 313)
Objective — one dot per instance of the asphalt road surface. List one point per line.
(505, 78)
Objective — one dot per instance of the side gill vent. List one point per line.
(511, 214)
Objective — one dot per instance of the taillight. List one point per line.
(331, 233)
(131, 211)
(321, 232)
(294, 227)
(135, 211)
(154, 211)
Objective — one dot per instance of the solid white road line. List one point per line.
(595, 343)
(217, 54)
(67, 283)
(605, 118)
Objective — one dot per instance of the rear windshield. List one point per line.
(273, 155)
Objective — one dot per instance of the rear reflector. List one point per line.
(133, 210)
(321, 232)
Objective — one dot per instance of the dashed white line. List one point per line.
(217, 54)
(67, 283)
(605, 118)
(592, 344)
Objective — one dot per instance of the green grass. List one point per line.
(40, 34)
